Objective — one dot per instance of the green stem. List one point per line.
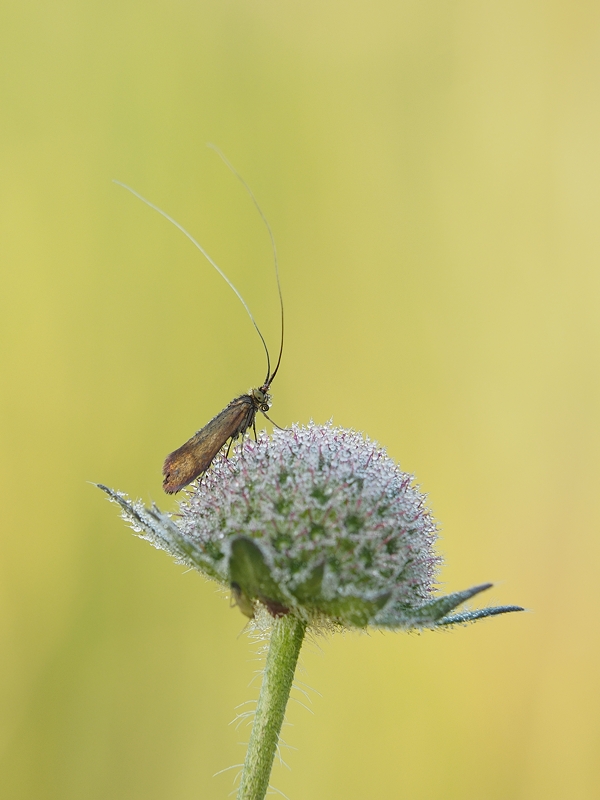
(284, 648)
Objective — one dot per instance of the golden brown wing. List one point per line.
(194, 457)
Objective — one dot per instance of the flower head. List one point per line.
(316, 521)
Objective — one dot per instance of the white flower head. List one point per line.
(315, 521)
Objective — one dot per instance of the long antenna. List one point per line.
(226, 161)
(212, 263)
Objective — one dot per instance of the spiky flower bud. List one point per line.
(314, 521)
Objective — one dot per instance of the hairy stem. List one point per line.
(284, 648)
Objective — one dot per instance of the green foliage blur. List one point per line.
(432, 176)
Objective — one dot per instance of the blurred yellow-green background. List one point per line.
(431, 172)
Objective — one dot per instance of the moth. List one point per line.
(193, 458)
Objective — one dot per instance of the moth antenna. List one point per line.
(270, 376)
(207, 257)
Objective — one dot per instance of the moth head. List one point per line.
(262, 398)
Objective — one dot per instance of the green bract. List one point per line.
(314, 521)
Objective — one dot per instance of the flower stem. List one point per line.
(284, 648)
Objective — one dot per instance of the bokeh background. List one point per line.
(432, 175)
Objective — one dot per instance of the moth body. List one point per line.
(193, 458)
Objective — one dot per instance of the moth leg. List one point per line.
(254, 429)
(229, 447)
(279, 428)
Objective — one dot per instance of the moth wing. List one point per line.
(194, 457)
